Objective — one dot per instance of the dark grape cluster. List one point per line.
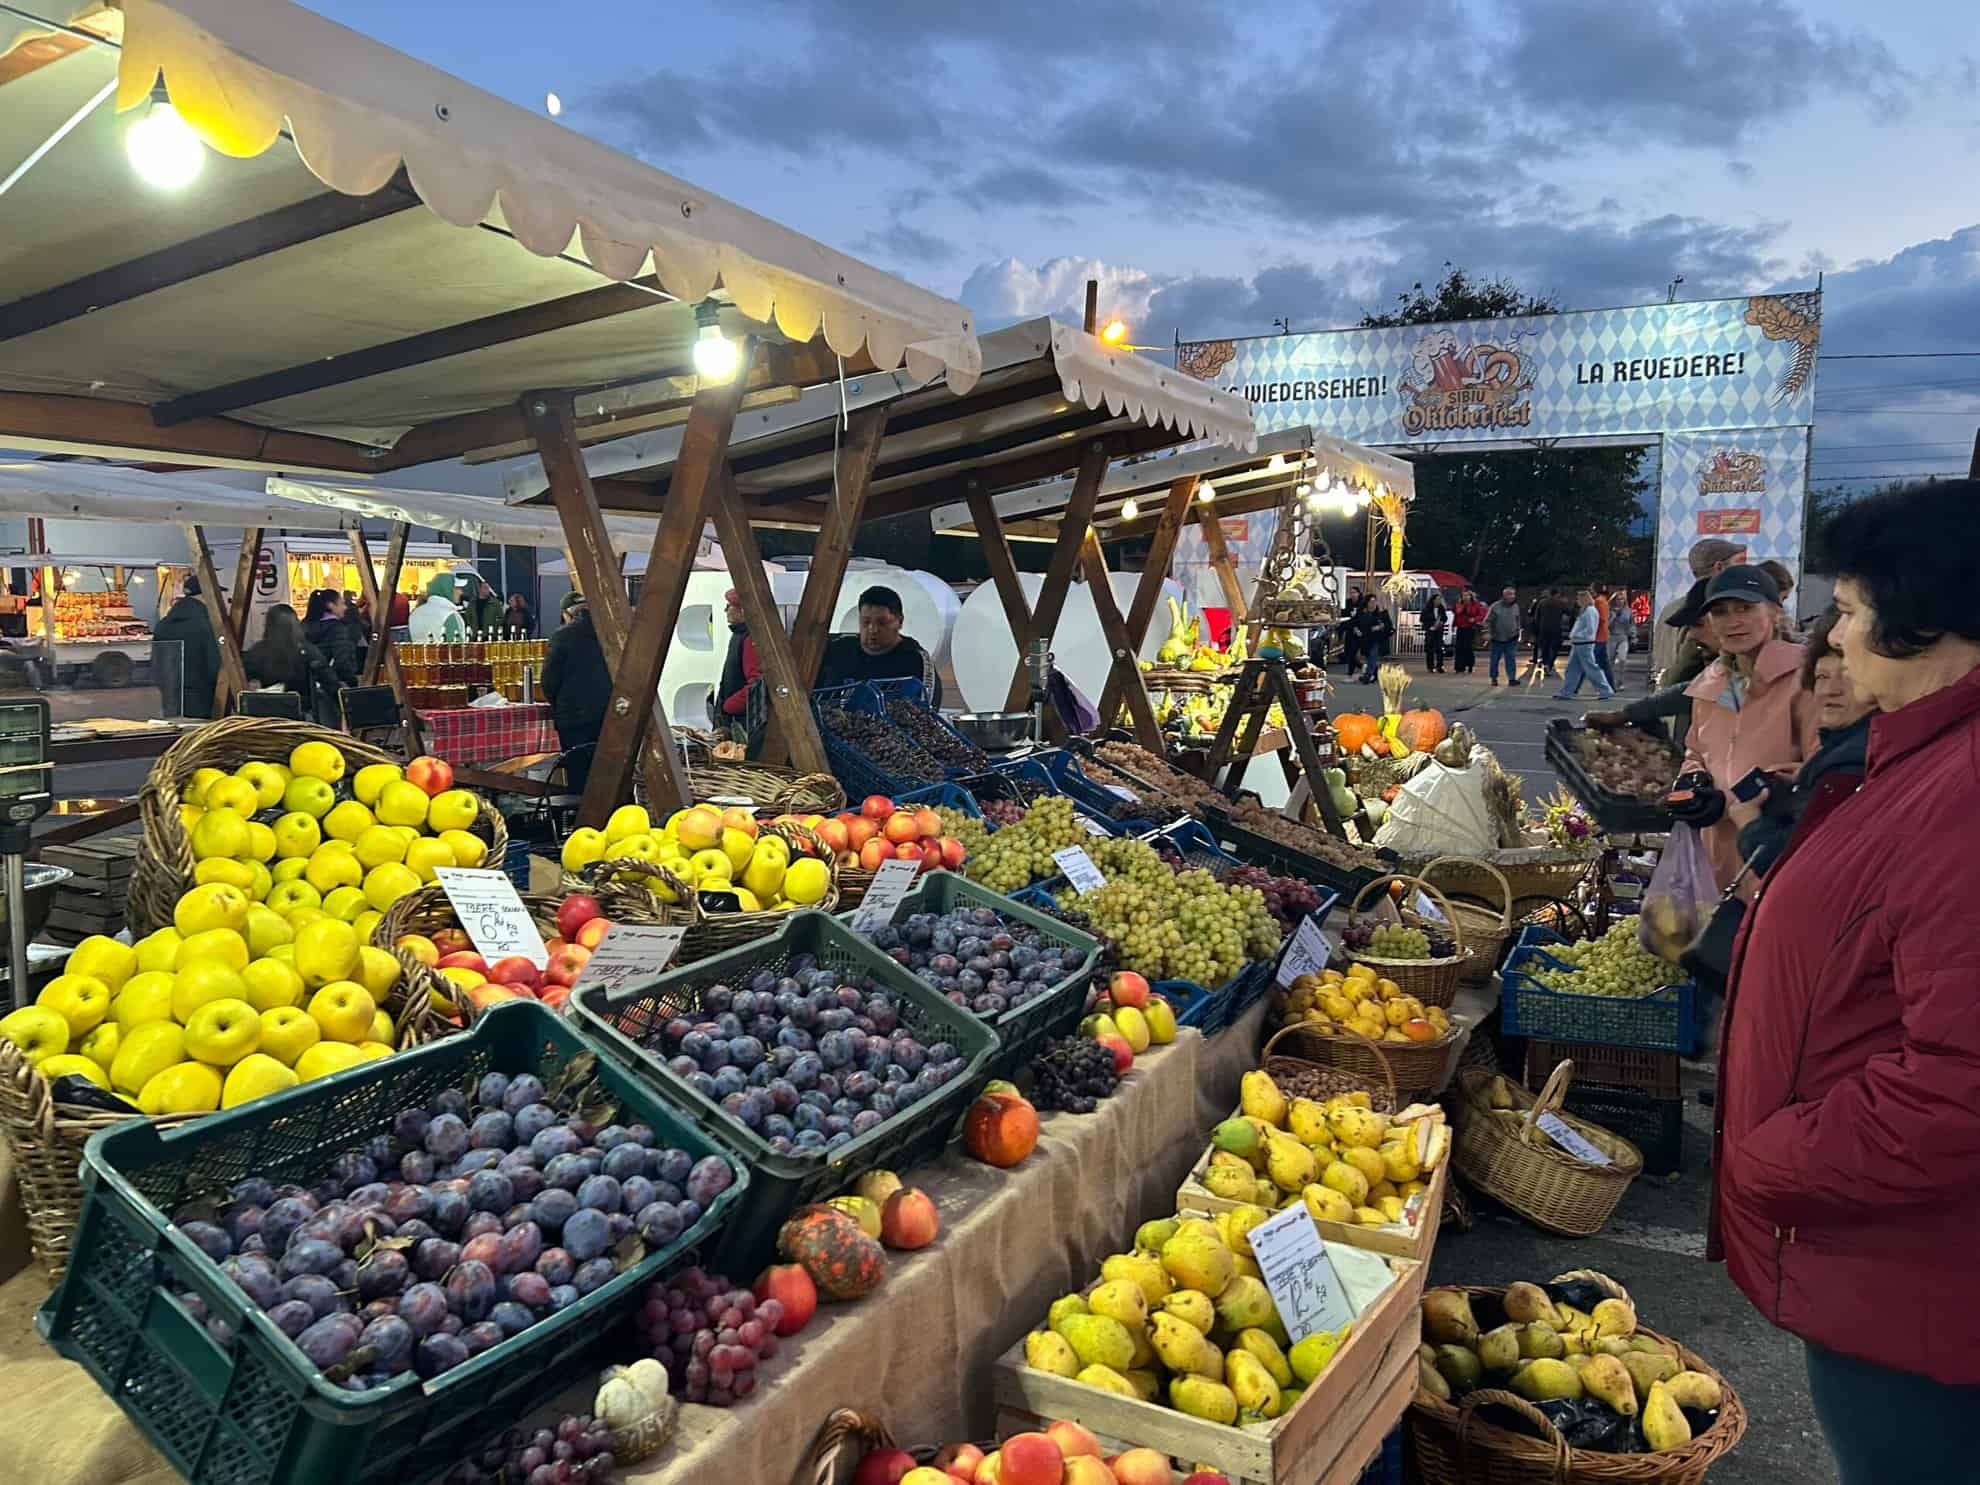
(475, 1217)
(1288, 899)
(710, 1334)
(578, 1449)
(1073, 1074)
(1002, 811)
(949, 747)
(807, 1059)
(880, 743)
(979, 959)
(1154, 811)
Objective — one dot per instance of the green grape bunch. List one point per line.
(1614, 965)
(1173, 925)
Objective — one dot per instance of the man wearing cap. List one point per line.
(741, 669)
(1706, 559)
(436, 621)
(879, 652)
(578, 687)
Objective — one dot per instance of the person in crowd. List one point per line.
(1748, 711)
(1671, 703)
(324, 627)
(436, 620)
(189, 627)
(1784, 580)
(1622, 631)
(1468, 618)
(1502, 626)
(399, 612)
(880, 651)
(1600, 594)
(1848, 1125)
(484, 608)
(284, 659)
(1375, 629)
(1672, 654)
(357, 619)
(1550, 620)
(1433, 618)
(578, 686)
(740, 669)
(518, 619)
(1351, 632)
(1582, 664)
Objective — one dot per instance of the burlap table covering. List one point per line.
(919, 1353)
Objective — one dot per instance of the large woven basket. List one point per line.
(848, 1437)
(427, 909)
(1473, 884)
(1452, 1444)
(1320, 1081)
(1432, 981)
(164, 870)
(1413, 1069)
(768, 789)
(1513, 1162)
(47, 1137)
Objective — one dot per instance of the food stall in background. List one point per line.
(293, 567)
(86, 617)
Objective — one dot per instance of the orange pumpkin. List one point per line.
(1352, 729)
(1421, 728)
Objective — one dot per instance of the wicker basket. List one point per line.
(426, 910)
(47, 1138)
(1452, 1445)
(1329, 1081)
(164, 870)
(768, 789)
(1413, 1069)
(847, 1438)
(1486, 929)
(1510, 1161)
(1432, 981)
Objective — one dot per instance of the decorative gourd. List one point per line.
(842, 1261)
(1421, 728)
(1352, 729)
(632, 1401)
(1000, 1129)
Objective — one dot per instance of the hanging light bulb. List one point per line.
(1325, 482)
(1276, 464)
(1205, 493)
(552, 104)
(1129, 510)
(1304, 489)
(162, 147)
(715, 355)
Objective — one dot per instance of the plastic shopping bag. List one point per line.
(1680, 898)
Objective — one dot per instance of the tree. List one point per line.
(1518, 516)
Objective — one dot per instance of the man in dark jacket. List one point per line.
(1550, 620)
(880, 651)
(483, 609)
(186, 689)
(578, 687)
(740, 668)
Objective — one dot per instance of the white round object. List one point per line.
(948, 606)
(982, 652)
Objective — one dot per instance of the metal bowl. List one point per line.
(39, 882)
(995, 732)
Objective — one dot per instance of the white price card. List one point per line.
(1570, 1141)
(892, 881)
(1428, 909)
(1079, 868)
(1307, 954)
(487, 907)
(1126, 796)
(1295, 1266)
(631, 952)
(1094, 827)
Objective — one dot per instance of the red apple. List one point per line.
(877, 807)
(927, 822)
(592, 934)
(432, 775)
(899, 827)
(908, 1219)
(465, 959)
(450, 940)
(908, 850)
(791, 1287)
(954, 852)
(1123, 1053)
(874, 852)
(834, 834)
(860, 830)
(1128, 988)
(574, 912)
(514, 970)
(551, 946)
(931, 854)
(554, 996)
(566, 965)
(883, 1467)
(960, 1462)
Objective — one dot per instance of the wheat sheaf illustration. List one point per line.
(1203, 359)
(1795, 317)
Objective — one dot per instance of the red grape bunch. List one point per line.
(710, 1334)
(1288, 899)
(578, 1451)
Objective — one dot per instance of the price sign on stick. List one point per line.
(892, 881)
(495, 919)
(1295, 1266)
(1079, 868)
(1570, 1141)
(1307, 954)
(631, 952)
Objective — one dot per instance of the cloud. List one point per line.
(902, 240)
(1023, 185)
(1010, 289)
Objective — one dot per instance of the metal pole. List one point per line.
(17, 944)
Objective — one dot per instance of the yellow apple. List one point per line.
(183, 1088)
(105, 959)
(287, 1032)
(268, 780)
(286, 897)
(370, 781)
(297, 834)
(147, 1051)
(329, 870)
(628, 819)
(232, 793)
(401, 803)
(420, 947)
(264, 929)
(582, 847)
(382, 1029)
(254, 1076)
(455, 809)
(348, 821)
(81, 1000)
(222, 1032)
(159, 950)
(319, 760)
(469, 849)
(226, 869)
(288, 869)
(145, 997)
(202, 984)
(196, 786)
(271, 983)
(377, 971)
(343, 1010)
(372, 1051)
(73, 1064)
(326, 950)
(100, 1046)
(308, 796)
(39, 1032)
(261, 842)
(385, 885)
(345, 902)
(214, 905)
(327, 1057)
(366, 923)
(222, 944)
(220, 832)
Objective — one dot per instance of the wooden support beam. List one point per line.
(790, 695)
(51, 421)
(1125, 673)
(551, 421)
(82, 827)
(379, 599)
(241, 600)
(636, 677)
(1212, 523)
(1059, 570)
(997, 556)
(1148, 592)
(233, 678)
(859, 451)
(381, 607)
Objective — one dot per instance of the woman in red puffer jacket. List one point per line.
(1846, 1201)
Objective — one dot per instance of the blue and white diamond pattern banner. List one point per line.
(1651, 369)
(1746, 486)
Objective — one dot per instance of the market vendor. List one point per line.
(436, 620)
(880, 651)
(741, 669)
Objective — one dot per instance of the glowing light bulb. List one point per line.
(552, 104)
(1114, 331)
(1276, 464)
(716, 357)
(1205, 493)
(1129, 510)
(162, 147)
(1305, 490)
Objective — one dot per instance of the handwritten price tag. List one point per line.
(1079, 868)
(1094, 827)
(1300, 1275)
(1307, 954)
(1428, 909)
(486, 904)
(1570, 1141)
(892, 881)
(631, 952)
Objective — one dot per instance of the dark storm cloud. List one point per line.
(1022, 186)
(1926, 297)
(1030, 32)
(902, 241)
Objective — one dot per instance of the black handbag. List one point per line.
(1708, 958)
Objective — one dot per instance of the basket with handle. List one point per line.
(848, 1437)
(767, 788)
(1486, 928)
(1413, 1069)
(1432, 981)
(1504, 1153)
(1321, 1081)
(164, 870)
(427, 910)
(1455, 1443)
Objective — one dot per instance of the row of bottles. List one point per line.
(440, 676)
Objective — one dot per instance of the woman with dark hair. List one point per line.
(324, 626)
(1373, 628)
(517, 620)
(1433, 619)
(1849, 1081)
(284, 657)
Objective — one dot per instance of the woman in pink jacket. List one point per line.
(1748, 711)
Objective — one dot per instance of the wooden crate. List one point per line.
(1329, 1438)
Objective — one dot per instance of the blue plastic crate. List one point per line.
(907, 689)
(849, 763)
(946, 796)
(1665, 1020)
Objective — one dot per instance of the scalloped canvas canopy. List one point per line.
(376, 259)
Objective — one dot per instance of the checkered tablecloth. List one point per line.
(488, 734)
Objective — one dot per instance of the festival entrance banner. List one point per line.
(1747, 486)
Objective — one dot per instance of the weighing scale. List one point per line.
(26, 794)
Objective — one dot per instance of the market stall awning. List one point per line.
(479, 516)
(1243, 481)
(376, 260)
(1047, 392)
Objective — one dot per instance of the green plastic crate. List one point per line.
(254, 1409)
(1024, 1029)
(629, 1018)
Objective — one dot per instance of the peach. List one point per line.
(960, 1462)
(908, 1219)
(420, 947)
(515, 970)
(1128, 988)
(874, 852)
(927, 822)
(466, 959)
(860, 830)
(954, 852)
(835, 835)
(735, 817)
(450, 940)
(884, 1467)
(591, 934)
(1030, 1459)
(1072, 1439)
(1143, 1467)
(876, 807)
(1086, 1469)
(900, 827)
(923, 1474)
(990, 1472)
